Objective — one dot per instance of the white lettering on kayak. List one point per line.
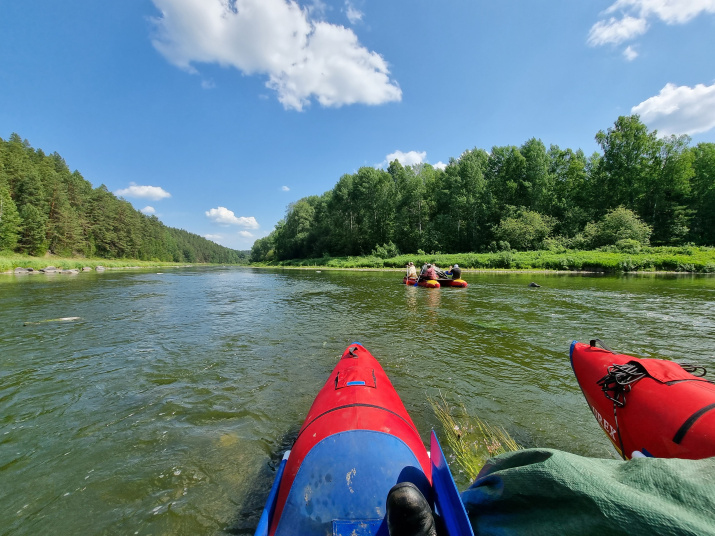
(607, 426)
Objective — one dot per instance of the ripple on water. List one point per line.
(166, 409)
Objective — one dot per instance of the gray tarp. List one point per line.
(544, 491)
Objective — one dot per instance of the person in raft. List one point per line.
(411, 270)
(455, 271)
(429, 273)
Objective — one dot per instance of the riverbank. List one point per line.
(686, 259)
(8, 263)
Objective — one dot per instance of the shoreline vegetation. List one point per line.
(9, 262)
(684, 259)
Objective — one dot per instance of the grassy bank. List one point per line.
(651, 259)
(10, 261)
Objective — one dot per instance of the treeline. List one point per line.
(46, 207)
(641, 189)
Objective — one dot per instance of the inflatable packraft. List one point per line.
(647, 407)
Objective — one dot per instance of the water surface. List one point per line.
(165, 407)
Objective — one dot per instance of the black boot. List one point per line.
(408, 512)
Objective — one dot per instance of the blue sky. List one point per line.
(215, 114)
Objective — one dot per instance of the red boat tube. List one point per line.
(648, 407)
(427, 283)
(461, 283)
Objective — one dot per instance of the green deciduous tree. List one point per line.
(525, 230)
(703, 194)
(618, 224)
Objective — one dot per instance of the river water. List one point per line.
(164, 407)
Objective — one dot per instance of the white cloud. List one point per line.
(354, 15)
(285, 188)
(245, 234)
(440, 165)
(148, 210)
(637, 13)
(679, 110)
(616, 31)
(669, 11)
(409, 158)
(630, 53)
(155, 193)
(303, 58)
(213, 237)
(224, 216)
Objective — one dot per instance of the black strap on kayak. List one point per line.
(616, 384)
(680, 434)
(618, 430)
(620, 380)
(595, 343)
(356, 405)
(695, 370)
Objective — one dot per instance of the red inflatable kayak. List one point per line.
(357, 442)
(648, 407)
(427, 283)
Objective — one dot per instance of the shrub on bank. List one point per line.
(625, 256)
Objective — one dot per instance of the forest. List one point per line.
(45, 207)
(641, 189)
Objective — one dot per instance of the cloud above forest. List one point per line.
(155, 193)
(410, 158)
(303, 57)
(148, 210)
(679, 110)
(224, 216)
(627, 19)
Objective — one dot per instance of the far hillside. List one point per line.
(45, 207)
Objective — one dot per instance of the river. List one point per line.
(164, 406)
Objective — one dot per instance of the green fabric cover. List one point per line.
(545, 491)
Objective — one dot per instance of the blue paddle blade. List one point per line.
(267, 514)
(448, 503)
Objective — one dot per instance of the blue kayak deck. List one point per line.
(343, 481)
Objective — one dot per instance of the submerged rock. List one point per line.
(534, 285)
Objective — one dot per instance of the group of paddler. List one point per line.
(431, 272)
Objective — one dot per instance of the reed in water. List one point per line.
(471, 440)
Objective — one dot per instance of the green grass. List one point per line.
(471, 440)
(10, 261)
(647, 259)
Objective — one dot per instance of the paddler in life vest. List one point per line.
(455, 271)
(429, 273)
(411, 271)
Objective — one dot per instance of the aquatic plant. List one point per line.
(471, 440)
